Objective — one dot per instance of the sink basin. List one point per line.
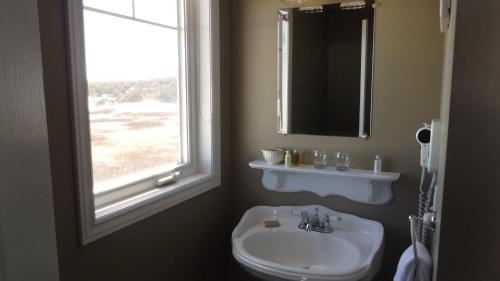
(353, 251)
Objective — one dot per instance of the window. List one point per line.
(135, 69)
(145, 93)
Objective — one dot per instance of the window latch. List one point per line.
(167, 179)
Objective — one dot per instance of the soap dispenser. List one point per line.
(377, 165)
(288, 159)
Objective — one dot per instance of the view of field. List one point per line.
(135, 130)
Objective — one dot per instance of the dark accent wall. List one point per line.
(27, 227)
(187, 242)
(470, 228)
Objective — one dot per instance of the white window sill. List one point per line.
(176, 192)
(110, 219)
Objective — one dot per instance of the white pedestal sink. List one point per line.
(352, 252)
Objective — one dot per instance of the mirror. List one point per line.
(325, 69)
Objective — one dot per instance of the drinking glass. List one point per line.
(342, 160)
(320, 159)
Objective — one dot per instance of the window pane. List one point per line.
(123, 7)
(159, 11)
(132, 72)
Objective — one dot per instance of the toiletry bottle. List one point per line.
(295, 157)
(288, 159)
(377, 165)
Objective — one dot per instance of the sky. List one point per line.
(119, 49)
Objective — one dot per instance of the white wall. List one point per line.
(27, 233)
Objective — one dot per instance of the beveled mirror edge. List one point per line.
(282, 118)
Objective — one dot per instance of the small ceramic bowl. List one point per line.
(273, 156)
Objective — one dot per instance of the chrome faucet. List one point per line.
(315, 224)
(304, 222)
(308, 227)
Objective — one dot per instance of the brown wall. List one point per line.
(27, 226)
(407, 84)
(470, 230)
(187, 242)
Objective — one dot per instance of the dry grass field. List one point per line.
(131, 140)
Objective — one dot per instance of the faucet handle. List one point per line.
(326, 218)
(326, 221)
(305, 217)
(325, 224)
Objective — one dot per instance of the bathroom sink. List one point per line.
(352, 251)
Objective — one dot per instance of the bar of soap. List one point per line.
(272, 223)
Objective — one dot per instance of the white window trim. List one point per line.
(205, 136)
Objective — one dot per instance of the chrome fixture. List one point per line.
(429, 221)
(312, 9)
(293, 1)
(352, 5)
(344, 4)
(315, 224)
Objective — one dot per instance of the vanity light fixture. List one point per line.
(293, 1)
(312, 9)
(344, 4)
(352, 5)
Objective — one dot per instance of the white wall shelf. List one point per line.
(358, 185)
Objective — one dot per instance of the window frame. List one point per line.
(185, 167)
(202, 123)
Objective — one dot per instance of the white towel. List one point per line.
(406, 267)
